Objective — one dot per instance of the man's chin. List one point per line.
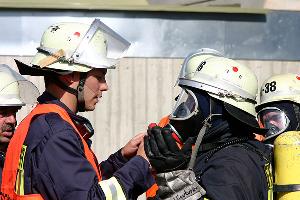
(4, 140)
(90, 108)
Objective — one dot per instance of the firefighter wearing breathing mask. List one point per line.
(279, 111)
(50, 157)
(216, 112)
(13, 90)
(187, 70)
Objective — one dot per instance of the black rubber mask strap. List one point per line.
(80, 93)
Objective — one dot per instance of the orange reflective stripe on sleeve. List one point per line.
(13, 153)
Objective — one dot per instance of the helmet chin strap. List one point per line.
(79, 92)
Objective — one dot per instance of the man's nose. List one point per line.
(104, 87)
(11, 119)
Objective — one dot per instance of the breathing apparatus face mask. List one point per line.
(186, 118)
(274, 119)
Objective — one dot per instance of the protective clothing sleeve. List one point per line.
(112, 164)
(135, 181)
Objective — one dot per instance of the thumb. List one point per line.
(187, 147)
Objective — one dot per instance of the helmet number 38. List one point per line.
(270, 87)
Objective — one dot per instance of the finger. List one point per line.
(149, 131)
(169, 140)
(187, 147)
(147, 147)
(140, 135)
(151, 125)
(136, 140)
(153, 146)
(141, 151)
(160, 141)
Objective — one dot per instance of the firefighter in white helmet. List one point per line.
(279, 111)
(51, 157)
(13, 89)
(188, 69)
(217, 109)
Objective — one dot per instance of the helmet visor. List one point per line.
(16, 90)
(101, 47)
(185, 106)
(274, 119)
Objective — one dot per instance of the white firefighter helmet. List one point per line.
(271, 113)
(192, 61)
(226, 80)
(15, 90)
(72, 46)
(283, 87)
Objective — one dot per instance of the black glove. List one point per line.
(163, 152)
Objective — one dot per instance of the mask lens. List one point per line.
(273, 119)
(186, 105)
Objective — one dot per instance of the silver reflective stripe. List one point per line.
(112, 189)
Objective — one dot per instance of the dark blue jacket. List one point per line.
(235, 172)
(56, 167)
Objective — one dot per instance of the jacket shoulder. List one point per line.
(46, 126)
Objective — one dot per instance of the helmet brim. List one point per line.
(33, 70)
(245, 118)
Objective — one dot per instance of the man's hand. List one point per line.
(163, 153)
(131, 148)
